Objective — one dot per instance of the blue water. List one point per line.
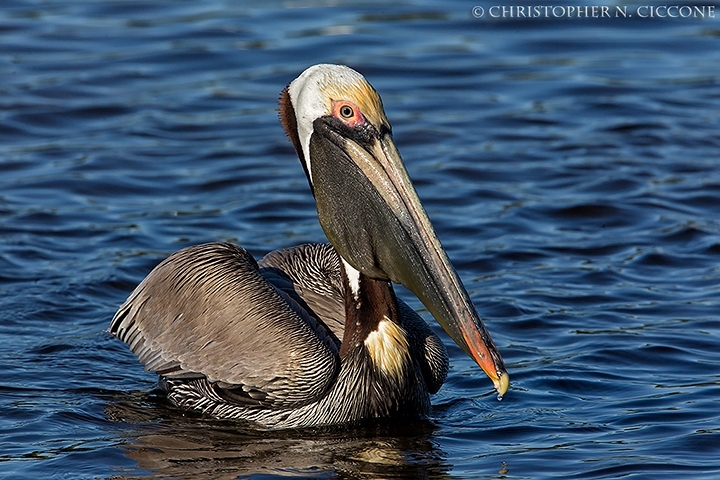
(571, 167)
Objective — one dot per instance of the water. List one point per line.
(570, 167)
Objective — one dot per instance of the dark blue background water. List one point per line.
(571, 168)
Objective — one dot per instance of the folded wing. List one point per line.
(207, 311)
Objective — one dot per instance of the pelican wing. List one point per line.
(206, 311)
(310, 275)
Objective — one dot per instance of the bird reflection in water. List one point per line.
(194, 446)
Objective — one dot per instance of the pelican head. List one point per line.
(367, 204)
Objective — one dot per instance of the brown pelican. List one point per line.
(314, 335)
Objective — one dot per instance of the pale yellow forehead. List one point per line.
(359, 92)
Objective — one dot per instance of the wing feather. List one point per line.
(206, 311)
(310, 275)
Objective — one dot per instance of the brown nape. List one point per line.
(286, 112)
(376, 301)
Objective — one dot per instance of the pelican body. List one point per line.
(315, 335)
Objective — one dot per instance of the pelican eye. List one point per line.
(348, 112)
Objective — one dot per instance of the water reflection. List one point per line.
(170, 443)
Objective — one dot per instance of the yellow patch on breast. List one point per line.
(388, 348)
